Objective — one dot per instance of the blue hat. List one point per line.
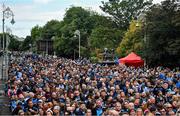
(178, 85)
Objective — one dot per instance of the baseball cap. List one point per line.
(40, 101)
(56, 108)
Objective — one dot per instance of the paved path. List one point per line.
(1, 62)
(3, 67)
(4, 101)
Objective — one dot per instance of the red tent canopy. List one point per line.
(132, 60)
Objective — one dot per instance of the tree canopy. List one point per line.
(123, 11)
(90, 24)
(163, 34)
(14, 44)
(132, 40)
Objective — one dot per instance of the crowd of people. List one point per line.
(59, 86)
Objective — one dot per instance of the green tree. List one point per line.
(14, 44)
(132, 41)
(104, 37)
(36, 33)
(86, 21)
(75, 18)
(123, 11)
(50, 29)
(163, 35)
(26, 43)
(97, 20)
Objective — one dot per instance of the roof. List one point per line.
(132, 60)
(131, 56)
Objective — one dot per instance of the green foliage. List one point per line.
(94, 59)
(64, 46)
(94, 28)
(77, 17)
(132, 41)
(90, 25)
(99, 20)
(14, 44)
(104, 37)
(26, 43)
(66, 43)
(36, 33)
(162, 34)
(123, 11)
(50, 29)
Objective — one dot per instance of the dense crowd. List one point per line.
(59, 86)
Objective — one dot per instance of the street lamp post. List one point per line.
(53, 38)
(9, 32)
(77, 32)
(30, 45)
(7, 13)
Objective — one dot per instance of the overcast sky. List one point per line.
(29, 13)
